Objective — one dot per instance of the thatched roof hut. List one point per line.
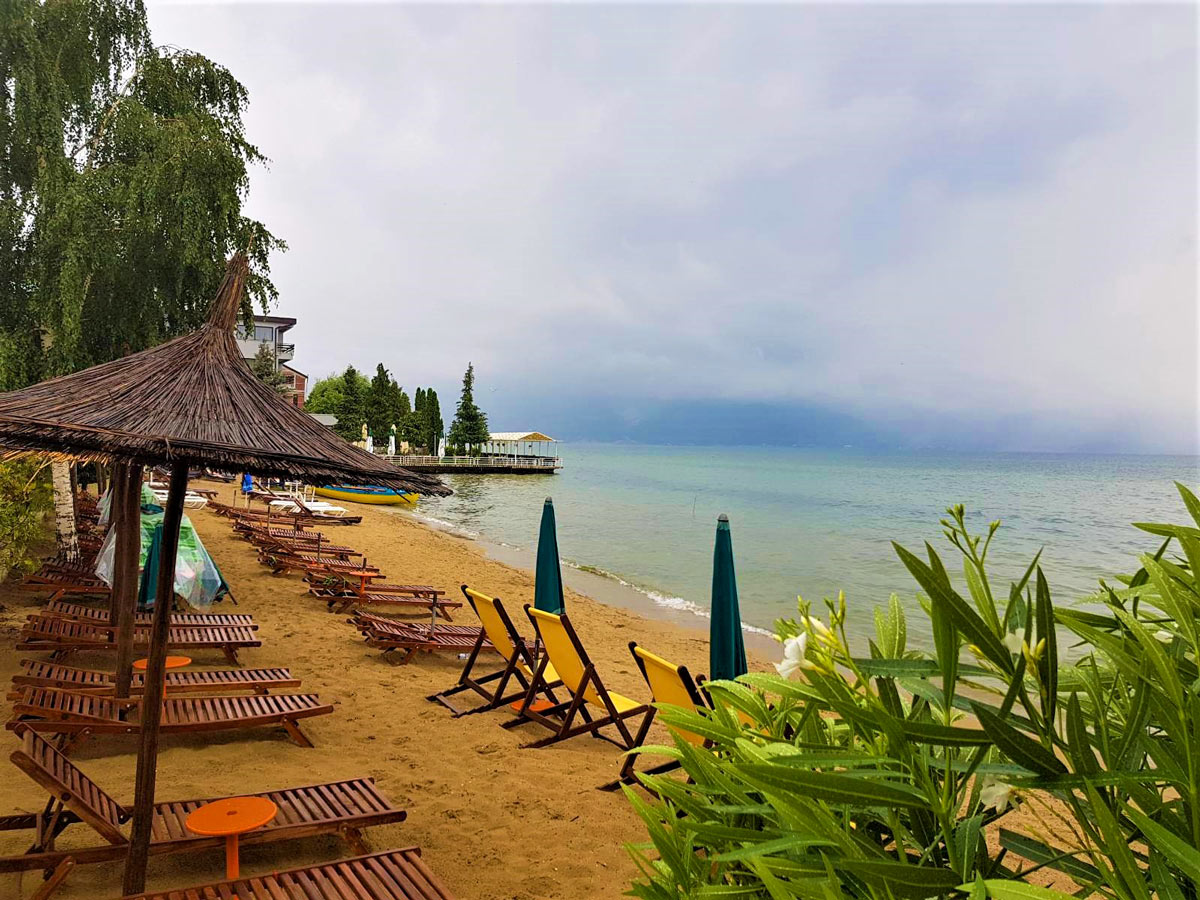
(192, 399)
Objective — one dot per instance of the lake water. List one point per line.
(809, 523)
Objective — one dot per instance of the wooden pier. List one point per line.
(479, 465)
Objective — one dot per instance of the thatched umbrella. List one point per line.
(192, 401)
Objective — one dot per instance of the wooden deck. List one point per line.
(479, 465)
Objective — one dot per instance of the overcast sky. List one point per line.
(959, 226)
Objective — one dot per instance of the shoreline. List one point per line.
(599, 585)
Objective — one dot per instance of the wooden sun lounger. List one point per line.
(341, 807)
(80, 713)
(389, 636)
(55, 675)
(64, 636)
(339, 596)
(390, 875)
(79, 612)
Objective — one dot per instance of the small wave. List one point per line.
(667, 601)
(443, 525)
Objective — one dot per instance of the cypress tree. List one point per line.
(433, 421)
(469, 428)
(350, 413)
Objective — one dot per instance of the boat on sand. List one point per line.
(365, 493)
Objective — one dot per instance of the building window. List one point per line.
(264, 334)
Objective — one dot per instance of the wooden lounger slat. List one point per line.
(390, 875)
(98, 616)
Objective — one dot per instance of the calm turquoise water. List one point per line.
(813, 522)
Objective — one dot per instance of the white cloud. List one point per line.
(898, 211)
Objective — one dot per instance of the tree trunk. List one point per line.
(127, 519)
(156, 673)
(64, 510)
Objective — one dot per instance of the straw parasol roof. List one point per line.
(194, 400)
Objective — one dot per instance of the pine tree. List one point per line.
(264, 369)
(469, 428)
(350, 413)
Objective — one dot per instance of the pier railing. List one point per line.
(479, 462)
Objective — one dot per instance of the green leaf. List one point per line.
(1042, 854)
(1017, 746)
(1079, 746)
(1190, 501)
(833, 788)
(1181, 854)
(1017, 890)
(902, 879)
(965, 619)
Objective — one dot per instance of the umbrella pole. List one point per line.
(127, 500)
(116, 520)
(156, 670)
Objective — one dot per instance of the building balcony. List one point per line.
(284, 352)
(249, 349)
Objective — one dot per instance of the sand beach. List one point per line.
(495, 821)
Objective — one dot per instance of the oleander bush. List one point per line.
(25, 502)
(988, 767)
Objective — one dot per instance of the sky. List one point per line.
(948, 226)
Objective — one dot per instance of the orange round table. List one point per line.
(228, 818)
(173, 662)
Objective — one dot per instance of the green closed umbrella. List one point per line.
(726, 650)
(547, 585)
(149, 582)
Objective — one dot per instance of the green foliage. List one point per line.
(326, 395)
(889, 775)
(26, 498)
(264, 369)
(123, 169)
(386, 405)
(469, 428)
(431, 421)
(351, 411)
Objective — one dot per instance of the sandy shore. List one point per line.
(495, 821)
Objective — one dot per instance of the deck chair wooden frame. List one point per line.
(62, 637)
(38, 673)
(77, 714)
(498, 633)
(340, 807)
(589, 689)
(685, 689)
(389, 875)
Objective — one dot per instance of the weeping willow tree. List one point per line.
(123, 170)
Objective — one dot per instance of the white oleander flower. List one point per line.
(793, 655)
(996, 795)
(1013, 642)
(1165, 636)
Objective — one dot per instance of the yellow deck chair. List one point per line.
(578, 676)
(498, 629)
(668, 683)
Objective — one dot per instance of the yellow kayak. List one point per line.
(365, 493)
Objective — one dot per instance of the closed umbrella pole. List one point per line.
(726, 651)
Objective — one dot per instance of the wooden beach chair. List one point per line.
(579, 677)
(340, 595)
(388, 875)
(36, 673)
(62, 637)
(502, 636)
(391, 636)
(340, 807)
(669, 684)
(63, 609)
(77, 714)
